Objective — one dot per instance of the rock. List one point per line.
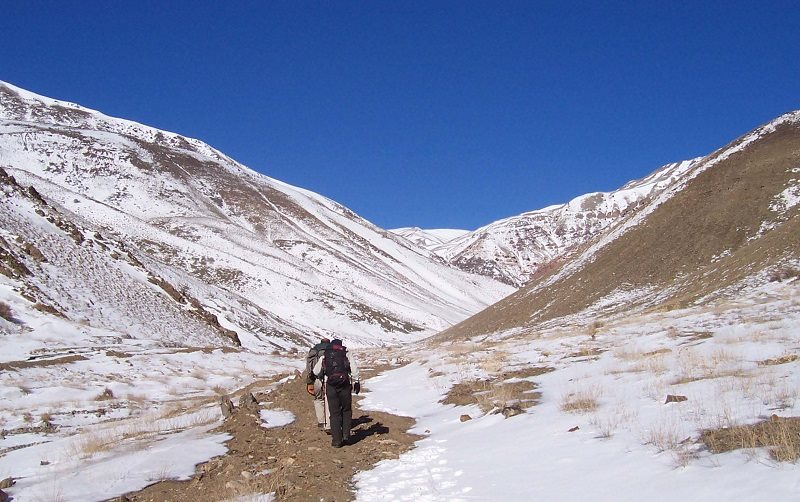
(512, 410)
(247, 474)
(671, 398)
(574, 429)
(248, 402)
(287, 461)
(226, 405)
(7, 483)
(465, 418)
(44, 462)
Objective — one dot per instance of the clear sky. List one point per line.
(438, 114)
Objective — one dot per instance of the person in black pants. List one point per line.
(341, 377)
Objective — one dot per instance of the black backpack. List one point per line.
(336, 366)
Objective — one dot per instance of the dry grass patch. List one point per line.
(608, 423)
(781, 435)
(693, 365)
(787, 358)
(586, 352)
(498, 393)
(664, 436)
(583, 400)
(494, 362)
(504, 395)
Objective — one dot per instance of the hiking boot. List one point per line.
(320, 426)
(337, 445)
(328, 432)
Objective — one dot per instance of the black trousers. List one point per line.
(340, 404)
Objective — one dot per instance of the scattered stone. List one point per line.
(248, 402)
(574, 429)
(44, 462)
(391, 442)
(671, 398)
(314, 448)
(512, 410)
(287, 461)
(465, 418)
(226, 405)
(247, 474)
(7, 483)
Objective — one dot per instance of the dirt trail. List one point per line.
(295, 461)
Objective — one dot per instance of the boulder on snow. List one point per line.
(671, 398)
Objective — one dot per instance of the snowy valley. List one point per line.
(602, 348)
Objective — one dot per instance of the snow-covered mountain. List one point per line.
(513, 250)
(136, 226)
(430, 239)
(730, 223)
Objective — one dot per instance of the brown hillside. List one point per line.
(705, 237)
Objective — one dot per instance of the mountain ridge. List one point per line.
(730, 222)
(316, 266)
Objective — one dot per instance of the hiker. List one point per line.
(315, 386)
(341, 378)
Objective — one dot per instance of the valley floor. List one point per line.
(611, 410)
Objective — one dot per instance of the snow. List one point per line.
(301, 260)
(631, 447)
(131, 413)
(133, 400)
(275, 418)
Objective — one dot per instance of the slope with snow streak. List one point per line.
(215, 225)
(513, 249)
(629, 445)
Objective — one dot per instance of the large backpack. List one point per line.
(313, 356)
(336, 366)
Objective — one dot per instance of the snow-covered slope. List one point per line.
(277, 264)
(730, 223)
(514, 249)
(429, 238)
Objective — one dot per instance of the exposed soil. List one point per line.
(40, 363)
(295, 461)
(497, 393)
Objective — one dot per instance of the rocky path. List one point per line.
(295, 461)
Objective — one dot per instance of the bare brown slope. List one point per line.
(718, 214)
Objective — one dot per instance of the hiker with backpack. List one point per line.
(315, 386)
(341, 377)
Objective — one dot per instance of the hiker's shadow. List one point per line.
(365, 432)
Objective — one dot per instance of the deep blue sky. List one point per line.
(433, 114)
